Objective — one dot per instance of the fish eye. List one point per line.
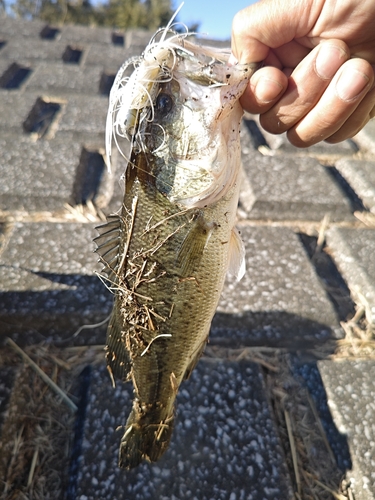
(164, 104)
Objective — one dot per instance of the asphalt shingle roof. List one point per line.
(230, 442)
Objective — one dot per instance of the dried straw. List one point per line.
(43, 375)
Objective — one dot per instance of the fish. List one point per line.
(175, 125)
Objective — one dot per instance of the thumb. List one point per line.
(270, 24)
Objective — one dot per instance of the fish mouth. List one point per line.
(209, 89)
(169, 55)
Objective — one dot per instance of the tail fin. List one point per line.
(146, 437)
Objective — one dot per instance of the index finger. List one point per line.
(270, 24)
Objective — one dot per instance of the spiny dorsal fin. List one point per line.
(117, 356)
(108, 245)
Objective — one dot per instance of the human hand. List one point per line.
(318, 80)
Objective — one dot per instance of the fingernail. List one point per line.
(350, 84)
(266, 90)
(329, 60)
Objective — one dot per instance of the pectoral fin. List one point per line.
(193, 245)
(237, 264)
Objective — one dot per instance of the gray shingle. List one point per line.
(33, 49)
(224, 442)
(280, 145)
(110, 57)
(37, 176)
(15, 107)
(13, 27)
(65, 79)
(84, 113)
(360, 174)
(280, 301)
(48, 285)
(366, 137)
(291, 188)
(85, 35)
(350, 386)
(353, 250)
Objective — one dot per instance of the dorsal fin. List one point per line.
(117, 356)
(108, 245)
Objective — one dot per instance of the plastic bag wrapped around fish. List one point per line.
(176, 121)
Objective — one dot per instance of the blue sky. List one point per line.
(215, 16)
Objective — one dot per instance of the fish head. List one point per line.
(180, 110)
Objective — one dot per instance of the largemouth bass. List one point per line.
(176, 121)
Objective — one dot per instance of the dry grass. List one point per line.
(367, 218)
(36, 437)
(308, 454)
(359, 340)
(70, 213)
(37, 433)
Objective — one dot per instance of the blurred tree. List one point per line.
(122, 14)
(149, 14)
(56, 11)
(158, 13)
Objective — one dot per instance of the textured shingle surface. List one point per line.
(354, 253)
(47, 283)
(351, 399)
(360, 174)
(230, 439)
(224, 442)
(279, 301)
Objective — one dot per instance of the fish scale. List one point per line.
(167, 253)
(182, 306)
